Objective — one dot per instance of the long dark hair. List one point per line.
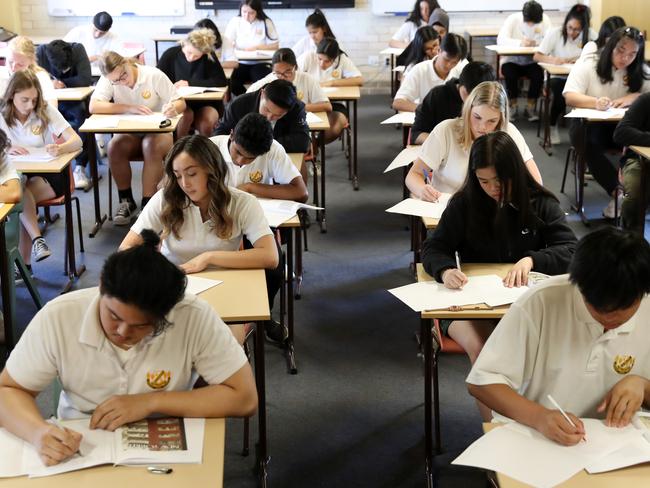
(606, 30)
(518, 187)
(260, 14)
(208, 24)
(284, 55)
(317, 19)
(205, 153)
(583, 15)
(330, 48)
(415, 16)
(416, 48)
(635, 72)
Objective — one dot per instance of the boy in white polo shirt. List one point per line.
(581, 338)
(257, 164)
(131, 348)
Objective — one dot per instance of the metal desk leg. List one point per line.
(92, 159)
(298, 243)
(323, 224)
(71, 270)
(289, 347)
(580, 176)
(8, 295)
(355, 167)
(260, 382)
(427, 344)
(546, 117)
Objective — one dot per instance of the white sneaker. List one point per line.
(81, 181)
(608, 211)
(512, 113)
(532, 116)
(555, 135)
(125, 213)
(40, 250)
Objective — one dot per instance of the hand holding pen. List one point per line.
(56, 443)
(429, 193)
(454, 278)
(560, 426)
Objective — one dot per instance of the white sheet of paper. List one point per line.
(279, 211)
(396, 51)
(563, 65)
(399, 69)
(197, 284)
(420, 208)
(431, 295)
(329, 89)
(406, 118)
(590, 113)
(35, 154)
(404, 158)
(312, 118)
(60, 92)
(11, 455)
(186, 91)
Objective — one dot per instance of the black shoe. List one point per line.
(275, 332)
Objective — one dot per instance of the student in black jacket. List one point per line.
(501, 215)
(446, 101)
(194, 63)
(68, 64)
(633, 130)
(277, 101)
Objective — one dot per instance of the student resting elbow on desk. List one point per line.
(33, 123)
(257, 164)
(581, 338)
(140, 315)
(418, 17)
(444, 157)
(501, 215)
(424, 76)
(614, 78)
(129, 88)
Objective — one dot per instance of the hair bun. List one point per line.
(150, 239)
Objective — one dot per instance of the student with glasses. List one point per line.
(129, 88)
(615, 78)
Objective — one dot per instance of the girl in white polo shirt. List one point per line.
(418, 17)
(10, 190)
(129, 88)
(318, 29)
(563, 45)
(614, 78)
(443, 162)
(32, 123)
(251, 30)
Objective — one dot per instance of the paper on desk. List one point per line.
(329, 89)
(279, 211)
(312, 118)
(186, 91)
(11, 455)
(392, 50)
(590, 113)
(36, 154)
(113, 121)
(400, 118)
(431, 295)
(404, 158)
(635, 452)
(420, 208)
(61, 92)
(563, 65)
(197, 284)
(527, 456)
(399, 69)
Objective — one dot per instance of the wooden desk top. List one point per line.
(641, 151)
(77, 94)
(257, 55)
(481, 311)
(209, 473)
(555, 69)
(207, 95)
(291, 223)
(169, 37)
(241, 297)
(5, 208)
(126, 126)
(513, 50)
(393, 51)
(54, 166)
(342, 92)
(632, 477)
(297, 159)
(430, 223)
(324, 123)
(482, 31)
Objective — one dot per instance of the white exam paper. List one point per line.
(404, 158)
(420, 208)
(312, 118)
(36, 154)
(197, 284)
(590, 113)
(406, 118)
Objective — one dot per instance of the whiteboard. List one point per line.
(88, 8)
(400, 7)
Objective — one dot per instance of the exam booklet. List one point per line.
(150, 441)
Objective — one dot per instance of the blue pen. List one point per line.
(426, 177)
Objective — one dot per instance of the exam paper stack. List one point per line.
(277, 211)
(420, 208)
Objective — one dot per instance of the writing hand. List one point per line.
(181, 83)
(53, 149)
(518, 274)
(119, 410)
(169, 110)
(139, 110)
(58, 84)
(429, 194)
(603, 103)
(55, 444)
(553, 425)
(453, 278)
(623, 400)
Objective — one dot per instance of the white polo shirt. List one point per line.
(513, 31)
(584, 79)
(65, 339)
(407, 31)
(304, 45)
(7, 172)
(83, 34)
(47, 87)
(274, 166)
(449, 161)
(341, 68)
(421, 78)
(553, 44)
(197, 236)
(227, 50)
(33, 133)
(152, 89)
(548, 343)
(308, 89)
(244, 35)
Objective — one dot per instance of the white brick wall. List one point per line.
(360, 33)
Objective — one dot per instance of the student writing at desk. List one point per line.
(124, 351)
(607, 28)
(202, 221)
(68, 64)
(194, 63)
(129, 88)
(614, 78)
(424, 47)
(418, 17)
(446, 101)
(30, 122)
(97, 37)
(445, 153)
(501, 215)
(581, 338)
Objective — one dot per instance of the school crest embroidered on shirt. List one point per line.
(623, 364)
(37, 130)
(336, 73)
(626, 80)
(255, 176)
(158, 379)
(146, 94)
(299, 94)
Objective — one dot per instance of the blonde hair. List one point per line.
(24, 45)
(201, 39)
(490, 93)
(110, 61)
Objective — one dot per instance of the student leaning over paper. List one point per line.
(124, 351)
(581, 338)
